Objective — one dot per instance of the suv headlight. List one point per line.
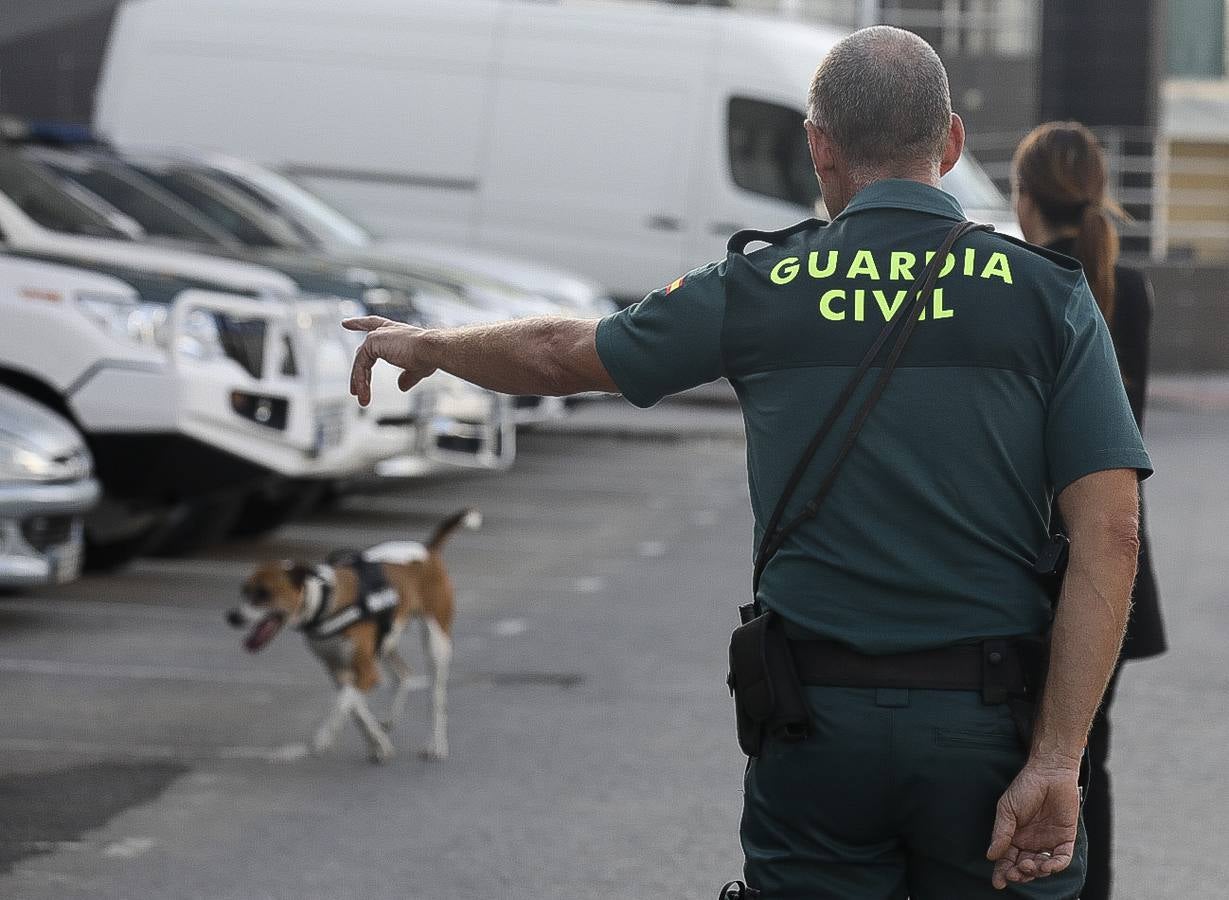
(126, 319)
(199, 336)
(19, 462)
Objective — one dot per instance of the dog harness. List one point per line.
(376, 600)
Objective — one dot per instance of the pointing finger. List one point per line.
(365, 323)
(360, 373)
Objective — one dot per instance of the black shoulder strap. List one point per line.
(775, 534)
(740, 239)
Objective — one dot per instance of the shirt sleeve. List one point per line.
(668, 342)
(1089, 425)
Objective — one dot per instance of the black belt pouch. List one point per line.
(768, 697)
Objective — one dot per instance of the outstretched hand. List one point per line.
(395, 343)
(1035, 824)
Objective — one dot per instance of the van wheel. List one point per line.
(197, 523)
(114, 535)
(273, 506)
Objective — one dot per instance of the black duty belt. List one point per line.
(998, 668)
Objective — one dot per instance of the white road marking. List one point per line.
(142, 750)
(128, 848)
(651, 549)
(145, 672)
(287, 753)
(509, 627)
(117, 609)
(589, 585)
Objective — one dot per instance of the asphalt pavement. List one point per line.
(146, 755)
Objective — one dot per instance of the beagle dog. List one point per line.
(352, 611)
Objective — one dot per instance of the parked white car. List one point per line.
(331, 229)
(46, 488)
(433, 425)
(180, 396)
(448, 292)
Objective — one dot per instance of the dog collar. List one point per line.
(318, 591)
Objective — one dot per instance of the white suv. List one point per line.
(178, 396)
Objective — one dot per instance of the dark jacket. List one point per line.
(1130, 330)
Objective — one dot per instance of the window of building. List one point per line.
(1195, 38)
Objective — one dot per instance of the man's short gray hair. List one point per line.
(881, 96)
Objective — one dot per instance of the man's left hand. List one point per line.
(394, 342)
(1035, 824)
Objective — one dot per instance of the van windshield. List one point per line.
(52, 205)
(768, 152)
(970, 184)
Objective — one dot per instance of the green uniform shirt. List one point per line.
(1008, 391)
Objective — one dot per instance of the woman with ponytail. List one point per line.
(1059, 184)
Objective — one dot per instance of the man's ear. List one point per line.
(955, 145)
(823, 157)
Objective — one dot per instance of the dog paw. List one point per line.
(381, 751)
(434, 751)
(388, 724)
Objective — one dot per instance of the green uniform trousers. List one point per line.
(893, 796)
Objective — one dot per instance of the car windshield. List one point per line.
(159, 212)
(969, 183)
(233, 213)
(51, 204)
(327, 225)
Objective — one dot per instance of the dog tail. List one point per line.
(469, 518)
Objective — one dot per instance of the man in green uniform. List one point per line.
(1007, 399)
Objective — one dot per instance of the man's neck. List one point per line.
(848, 184)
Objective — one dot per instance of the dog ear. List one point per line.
(298, 573)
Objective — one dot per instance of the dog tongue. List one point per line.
(263, 632)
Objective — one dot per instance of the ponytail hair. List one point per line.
(1096, 247)
(1061, 166)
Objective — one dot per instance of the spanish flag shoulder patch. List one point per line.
(675, 284)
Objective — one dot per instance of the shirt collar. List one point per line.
(902, 193)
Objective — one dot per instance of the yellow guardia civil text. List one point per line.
(857, 303)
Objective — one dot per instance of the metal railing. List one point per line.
(1148, 179)
(1007, 28)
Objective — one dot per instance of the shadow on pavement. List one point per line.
(42, 810)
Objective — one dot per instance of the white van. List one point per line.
(625, 142)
